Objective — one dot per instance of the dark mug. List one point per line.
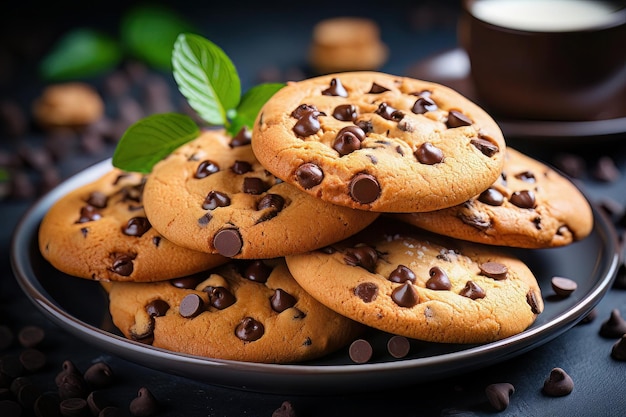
(529, 63)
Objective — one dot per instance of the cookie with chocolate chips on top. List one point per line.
(530, 206)
(100, 231)
(246, 310)
(406, 281)
(212, 195)
(379, 142)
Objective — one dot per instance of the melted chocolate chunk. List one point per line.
(348, 140)
(377, 89)
(191, 305)
(438, 280)
(457, 119)
(188, 282)
(274, 201)
(405, 295)
(366, 291)
(206, 168)
(308, 175)
(401, 274)
(249, 330)
(308, 124)
(254, 186)
(364, 188)
(303, 109)
(472, 290)
(346, 112)
(281, 300)
(123, 264)
(228, 242)
(428, 154)
(423, 105)
(157, 308)
(486, 147)
(97, 199)
(491, 197)
(88, 214)
(363, 256)
(531, 299)
(215, 199)
(241, 167)
(257, 271)
(494, 270)
(389, 113)
(335, 89)
(523, 199)
(242, 138)
(365, 125)
(136, 226)
(526, 176)
(220, 297)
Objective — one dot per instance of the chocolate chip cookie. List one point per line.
(412, 283)
(100, 231)
(379, 142)
(213, 195)
(531, 206)
(246, 310)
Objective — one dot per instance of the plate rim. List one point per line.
(282, 375)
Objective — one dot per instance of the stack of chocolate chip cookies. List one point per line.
(357, 200)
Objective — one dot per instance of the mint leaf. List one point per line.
(250, 104)
(149, 32)
(80, 53)
(151, 139)
(206, 77)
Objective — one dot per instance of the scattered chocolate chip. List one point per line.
(32, 359)
(494, 270)
(123, 264)
(589, 317)
(605, 170)
(438, 280)
(188, 282)
(428, 154)
(401, 274)
(472, 290)
(366, 291)
(563, 287)
(398, 346)
(377, 89)
(67, 367)
(285, 410)
(97, 199)
(486, 147)
(88, 214)
(249, 329)
(136, 226)
(206, 168)
(308, 175)
(157, 308)
(308, 124)
(72, 385)
(389, 113)
(74, 407)
(348, 140)
(228, 242)
(144, 405)
(215, 199)
(531, 299)
(303, 109)
(220, 297)
(30, 336)
(405, 295)
(523, 199)
(363, 256)
(257, 271)
(242, 138)
(360, 351)
(499, 395)
(281, 300)
(491, 197)
(241, 167)
(526, 176)
(618, 351)
(346, 112)
(364, 188)
(335, 89)
(571, 164)
(558, 383)
(100, 374)
(457, 119)
(254, 186)
(274, 201)
(97, 401)
(191, 305)
(423, 105)
(614, 326)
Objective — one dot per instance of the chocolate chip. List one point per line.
(100, 374)
(428, 154)
(303, 109)
(67, 367)
(365, 125)
(401, 274)
(123, 264)
(526, 176)
(257, 271)
(571, 164)
(606, 170)
(360, 351)
(220, 297)
(285, 410)
(308, 175)
(74, 407)
(215, 199)
(377, 89)
(191, 305)
(72, 385)
(363, 256)
(486, 147)
(242, 138)
(398, 346)
(274, 201)
(88, 214)
(335, 89)
(558, 383)
(30, 336)
(563, 287)
(389, 113)
(136, 226)
(457, 119)
(249, 330)
(589, 317)
(405, 295)
(254, 186)
(364, 188)
(308, 124)
(494, 270)
(472, 290)
(366, 291)
(614, 326)
(523, 199)
(531, 299)
(188, 282)
(618, 351)
(144, 405)
(438, 280)
(157, 308)
(348, 140)
(206, 168)
(228, 242)
(346, 112)
(499, 395)
(32, 359)
(491, 197)
(241, 167)
(97, 402)
(97, 199)
(281, 300)
(423, 105)
(205, 219)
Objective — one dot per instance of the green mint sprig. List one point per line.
(208, 79)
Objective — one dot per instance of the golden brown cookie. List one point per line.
(245, 310)
(212, 195)
(100, 231)
(406, 281)
(531, 206)
(379, 142)
(70, 104)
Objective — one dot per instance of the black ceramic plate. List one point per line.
(80, 307)
(452, 68)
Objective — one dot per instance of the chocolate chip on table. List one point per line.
(228, 242)
(499, 395)
(618, 351)
(72, 385)
(614, 326)
(145, 404)
(360, 351)
(74, 407)
(398, 346)
(30, 336)
(558, 383)
(589, 317)
(571, 164)
(563, 287)
(67, 367)
(99, 375)
(285, 410)
(606, 170)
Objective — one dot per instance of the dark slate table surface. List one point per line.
(262, 39)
